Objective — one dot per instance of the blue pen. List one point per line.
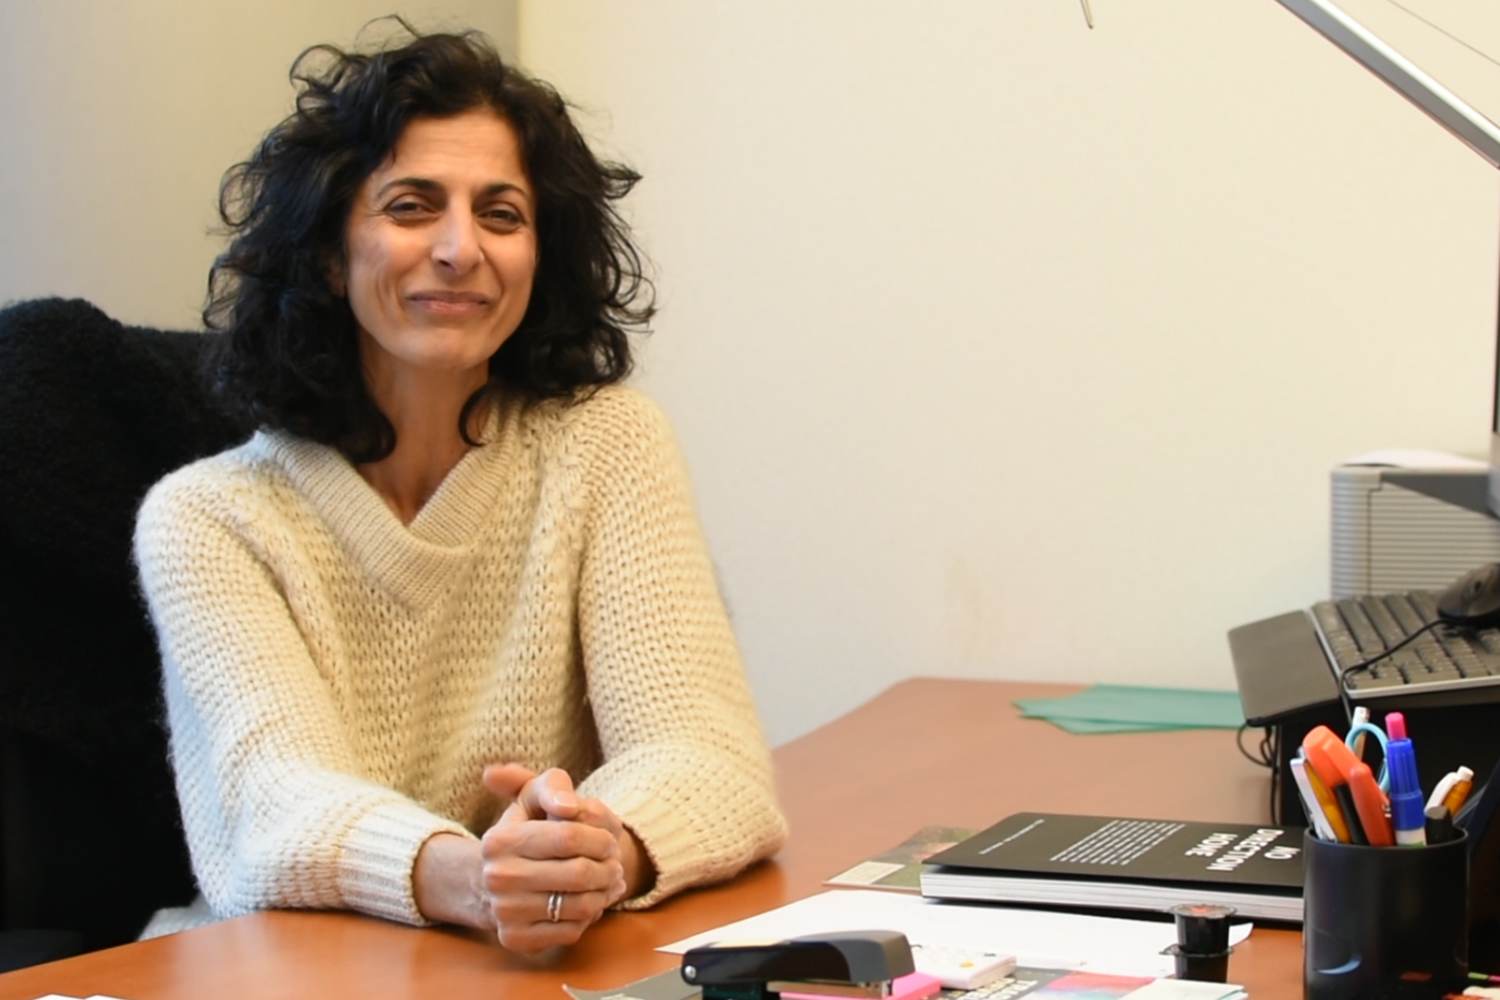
(1408, 820)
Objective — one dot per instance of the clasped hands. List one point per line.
(546, 871)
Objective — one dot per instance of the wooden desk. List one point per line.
(924, 752)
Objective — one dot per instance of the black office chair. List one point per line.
(92, 412)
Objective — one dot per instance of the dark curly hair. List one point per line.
(288, 357)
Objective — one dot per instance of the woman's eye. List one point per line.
(406, 209)
(503, 217)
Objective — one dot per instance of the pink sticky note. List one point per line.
(917, 986)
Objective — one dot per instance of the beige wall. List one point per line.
(118, 119)
(1000, 347)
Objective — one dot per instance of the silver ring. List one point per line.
(554, 907)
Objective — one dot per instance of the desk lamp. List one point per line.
(1472, 127)
(1479, 133)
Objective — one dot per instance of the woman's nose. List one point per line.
(456, 244)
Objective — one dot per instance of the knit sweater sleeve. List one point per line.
(275, 806)
(685, 764)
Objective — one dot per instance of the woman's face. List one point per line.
(440, 250)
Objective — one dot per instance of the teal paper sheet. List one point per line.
(1085, 727)
(1118, 708)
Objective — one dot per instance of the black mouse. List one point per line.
(1473, 599)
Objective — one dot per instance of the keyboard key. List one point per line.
(1364, 631)
(1369, 682)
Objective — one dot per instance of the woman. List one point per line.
(458, 568)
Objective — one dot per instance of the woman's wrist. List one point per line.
(640, 872)
(447, 882)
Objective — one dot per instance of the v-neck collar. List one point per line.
(413, 562)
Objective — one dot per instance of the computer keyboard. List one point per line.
(1448, 658)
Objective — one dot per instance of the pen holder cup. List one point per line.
(1373, 914)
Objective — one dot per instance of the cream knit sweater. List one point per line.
(336, 681)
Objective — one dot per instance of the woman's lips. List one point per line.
(449, 303)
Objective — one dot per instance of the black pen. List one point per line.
(1345, 797)
(1439, 824)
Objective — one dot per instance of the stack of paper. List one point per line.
(1034, 984)
(1038, 938)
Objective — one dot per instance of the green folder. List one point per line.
(1118, 708)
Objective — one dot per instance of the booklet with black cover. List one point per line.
(1102, 862)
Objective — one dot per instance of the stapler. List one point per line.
(851, 963)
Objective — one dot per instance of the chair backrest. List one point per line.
(92, 412)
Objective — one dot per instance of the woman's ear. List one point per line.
(336, 282)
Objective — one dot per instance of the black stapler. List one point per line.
(851, 963)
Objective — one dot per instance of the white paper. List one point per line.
(1416, 458)
(1041, 939)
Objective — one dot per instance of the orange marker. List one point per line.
(1328, 757)
(1459, 793)
(1331, 761)
(1329, 805)
(1369, 800)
